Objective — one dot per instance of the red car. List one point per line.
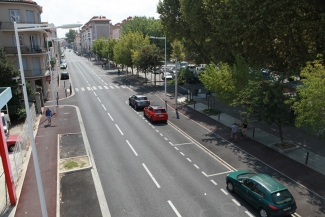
(155, 113)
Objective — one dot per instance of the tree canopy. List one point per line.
(71, 35)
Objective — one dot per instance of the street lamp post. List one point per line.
(25, 28)
(165, 68)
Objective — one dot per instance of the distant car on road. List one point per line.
(64, 75)
(155, 113)
(266, 194)
(63, 66)
(138, 101)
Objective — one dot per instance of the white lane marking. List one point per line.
(204, 174)
(176, 148)
(165, 138)
(145, 120)
(171, 143)
(104, 107)
(213, 182)
(123, 86)
(161, 134)
(196, 166)
(117, 87)
(82, 89)
(249, 214)
(110, 116)
(174, 208)
(182, 153)
(119, 129)
(153, 178)
(99, 99)
(157, 131)
(189, 159)
(105, 87)
(224, 191)
(236, 202)
(111, 87)
(185, 143)
(76, 89)
(100, 87)
(218, 173)
(95, 93)
(95, 88)
(136, 154)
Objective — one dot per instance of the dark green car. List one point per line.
(266, 194)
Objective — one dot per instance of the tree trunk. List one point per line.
(281, 135)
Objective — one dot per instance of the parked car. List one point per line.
(138, 101)
(64, 75)
(155, 113)
(266, 194)
(63, 66)
(6, 123)
(169, 76)
(11, 142)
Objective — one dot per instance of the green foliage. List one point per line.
(98, 46)
(266, 101)
(147, 56)
(178, 51)
(211, 111)
(7, 72)
(310, 107)
(52, 62)
(71, 35)
(108, 49)
(225, 81)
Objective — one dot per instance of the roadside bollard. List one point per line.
(57, 98)
(307, 157)
(70, 90)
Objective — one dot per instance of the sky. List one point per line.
(62, 12)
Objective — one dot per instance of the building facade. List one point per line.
(32, 44)
(77, 43)
(95, 28)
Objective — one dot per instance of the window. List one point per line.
(160, 111)
(24, 60)
(14, 16)
(21, 40)
(30, 17)
(248, 183)
(39, 17)
(259, 190)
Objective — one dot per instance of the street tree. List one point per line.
(71, 35)
(265, 100)
(98, 46)
(309, 107)
(108, 49)
(7, 73)
(178, 51)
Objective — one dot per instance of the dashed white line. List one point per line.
(151, 176)
(100, 87)
(174, 208)
(188, 159)
(104, 107)
(161, 134)
(76, 89)
(213, 182)
(99, 99)
(236, 202)
(157, 131)
(82, 89)
(111, 87)
(196, 166)
(165, 138)
(226, 193)
(94, 88)
(176, 148)
(105, 87)
(119, 129)
(182, 153)
(136, 154)
(204, 174)
(95, 93)
(171, 143)
(110, 116)
(249, 214)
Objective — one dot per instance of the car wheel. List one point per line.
(135, 106)
(230, 186)
(263, 213)
(11, 148)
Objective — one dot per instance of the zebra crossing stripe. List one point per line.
(88, 88)
(83, 89)
(105, 87)
(117, 87)
(95, 88)
(112, 87)
(100, 87)
(76, 89)
(123, 86)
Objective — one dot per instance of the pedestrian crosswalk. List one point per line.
(112, 87)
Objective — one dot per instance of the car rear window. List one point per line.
(157, 111)
(246, 175)
(281, 197)
(142, 98)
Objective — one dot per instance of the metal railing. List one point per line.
(25, 49)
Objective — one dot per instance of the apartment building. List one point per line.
(32, 43)
(77, 43)
(95, 28)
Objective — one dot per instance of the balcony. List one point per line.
(9, 26)
(25, 50)
(37, 73)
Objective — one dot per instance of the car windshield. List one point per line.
(157, 111)
(142, 98)
(281, 197)
(246, 175)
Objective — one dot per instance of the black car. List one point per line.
(138, 101)
(64, 75)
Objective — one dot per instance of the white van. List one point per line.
(5, 122)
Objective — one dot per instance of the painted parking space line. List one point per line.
(196, 166)
(187, 143)
(223, 191)
(216, 174)
(249, 214)
(213, 182)
(236, 202)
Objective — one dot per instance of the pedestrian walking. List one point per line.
(234, 131)
(244, 129)
(49, 116)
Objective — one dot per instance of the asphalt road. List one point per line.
(153, 169)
